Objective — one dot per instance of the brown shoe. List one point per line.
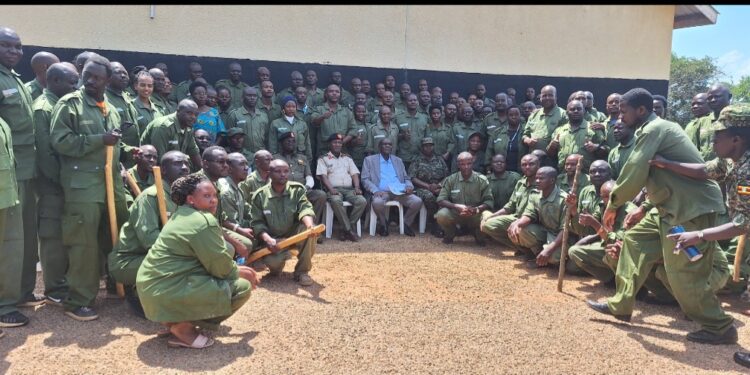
(351, 236)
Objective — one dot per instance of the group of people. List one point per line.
(236, 164)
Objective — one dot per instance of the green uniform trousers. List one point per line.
(11, 258)
(534, 236)
(592, 259)
(52, 254)
(731, 250)
(358, 203)
(241, 290)
(27, 197)
(447, 219)
(124, 270)
(720, 273)
(497, 228)
(275, 262)
(318, 200)
(645, 245)
(85, 233)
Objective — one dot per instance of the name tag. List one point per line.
(282, 129)
(266, 212)
(120, 110)
(173, 142)
(585, 202)
(460, 136)
(379, 136)
(140, 118)
(519, 193)
(10, 92)
(491, 127)
(497, 140)
(87, 122)
(241, 121)
(456, 191)
(403, 125)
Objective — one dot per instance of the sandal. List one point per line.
(200, 342)
(165, 332)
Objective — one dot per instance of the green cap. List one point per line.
(733, 116)
(234, 131)
(427, 140)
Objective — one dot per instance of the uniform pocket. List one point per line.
(73, 230)
(660, 195)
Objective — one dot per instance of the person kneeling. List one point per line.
(188, 278)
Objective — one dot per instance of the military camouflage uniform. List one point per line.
(430, 171)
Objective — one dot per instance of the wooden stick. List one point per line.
(110, 186)
(738, 258)
(132, 184)
(566, 231)
(161, 200)
(297, 238)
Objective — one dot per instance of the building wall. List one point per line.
(460, 45)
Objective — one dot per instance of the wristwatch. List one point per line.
(700, 235)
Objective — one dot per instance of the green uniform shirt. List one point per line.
(473, 191)
(8, 184)
(233, 202)
(78, 126)
(548, 212)
(461, 132)
(315, 97)
(235, 90)
(249, 156)
(619, 155)
(377, 132)
(499, 140)
(164, 104)
(34, 88)
(592, 115)
(181, 91)
(588, 200)
(298, 127)
(48, 164)
(288, 91)
(429, 170)
(572, 141)
(520, 198)
(187, 273)
(340, 122)
(611, 141)
(667, 191)
(701, 133)
(355, 150)
(142, 184)
(273, 112)
(165, 134)
(541, 126)
(15, 109)
(145, 115)
(252, 183)
(254, 123)
(736, 180)
(279, 214)
(121, 102)
(564, 185)
(502, 187)
(443, 137)
(142, 229)
(299, 166)
(492, 124)
(416, 125)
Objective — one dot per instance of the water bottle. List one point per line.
(240, 261)
(692, 252)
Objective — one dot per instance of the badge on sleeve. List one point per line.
(743, 189)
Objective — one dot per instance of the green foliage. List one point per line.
(687, 77)
(741, 91)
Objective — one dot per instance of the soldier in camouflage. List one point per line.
(427, 173)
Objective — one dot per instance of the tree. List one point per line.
(687, 77)
(741, 91)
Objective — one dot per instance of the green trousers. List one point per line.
(497, 228)
(241, 290)
(591, 259)
(731, 250)
(448, 219)
(52, 255)
(318, 200)
(124, 267)
(11, 258)
(644, 246)
(720, 273)
(275, 262)
(27, 197)
(86, 235)
(358, 203)
(534, 236)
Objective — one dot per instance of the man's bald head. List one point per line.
(464, 156)
(40, 62)
(276, 163)
(81, 59)
(548, 172)
(186, 104)
(260, 154)
(61, 78)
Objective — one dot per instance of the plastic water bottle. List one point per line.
(240, 261)
(692, 252)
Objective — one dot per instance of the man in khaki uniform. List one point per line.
(122, 101)
(181, 91)
(252, 120)
(412, 126)
(259, 177)
(331, 118)
(234, 84)
(143, 171)
(576, 137)
(174, 133)
(40, 62)
(541, 124)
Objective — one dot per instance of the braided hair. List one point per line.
(184, 186)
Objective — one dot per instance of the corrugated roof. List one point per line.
(694, 15)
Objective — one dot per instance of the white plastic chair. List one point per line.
(374, 217)
(329, 220)
(422, 219)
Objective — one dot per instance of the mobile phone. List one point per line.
(125, 126)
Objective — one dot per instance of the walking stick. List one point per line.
(566, 230)
(110, 186)
(297, 238)
(160, 199)
(131, 182)
(738, 258)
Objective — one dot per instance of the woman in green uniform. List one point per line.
(188, 278)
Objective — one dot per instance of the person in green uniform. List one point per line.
(660, 106)
(441, 133)
(387, 100)
(475, 148)
(565, 179)
(259, 177)
(527, 108)
(403, 95)
(202, 139)
(296, 81)
(121, 100)
(356, 139)
(576, 137)
(181, 91)
(463, 197)
(591, 111)
(502, 182)
(279, 210)
(234, 84)
(40, 62)
(290, 122)
(224, 102)
(145, 108)
(668, 192)
(613, 109)
(10, 230)
(61, 80)
(83, 123)
(347, 97)
(331, 118)
(15, 109)
(143, 171)
(267, 103)
(140, 232)
(254, 121)
(425, 99)
(701, 132)
(507, 140)
(301, 172)
(496, 224)
(340, 177)
(188, 278)
(699, 108)
(236, 143)
(161, 96)
(384, 127)
(315, 95)
(412, 126)
(427, 172)
(587, 200)
(234, 204)
(174, 132)
(619, 155)
(464, 128)
(262, 74)
(541, 124)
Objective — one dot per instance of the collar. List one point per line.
(51, 97)
(8, 71)
(629, 144)
(553, 195)
(382, 159)
(471, 178)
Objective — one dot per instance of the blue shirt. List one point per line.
(387, 174)
(211, 122)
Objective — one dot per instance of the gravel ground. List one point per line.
(400, 305)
